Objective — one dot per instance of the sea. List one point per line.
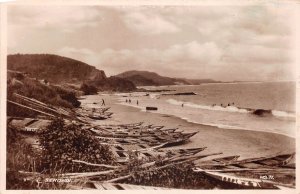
(225, 105)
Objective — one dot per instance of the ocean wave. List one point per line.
(218, 125)
(223, 126)
(215, 108)
(276, 113)
(154, 96)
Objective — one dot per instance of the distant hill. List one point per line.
(113, 83)
(62, 70)
(147, 78)
(202, 81)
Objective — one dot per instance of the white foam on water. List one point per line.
(214, 108)
(122, 94)
(224, 126)
(218, 125)
(154, 96)
(278, 113)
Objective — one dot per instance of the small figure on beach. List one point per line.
(103, 103)
(228, 104)
(182, 105)
(137, 102)
(126, 100)
(129, 101)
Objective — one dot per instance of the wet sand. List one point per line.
(245, 143)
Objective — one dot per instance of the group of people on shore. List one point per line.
(224, 105)
(129, 101)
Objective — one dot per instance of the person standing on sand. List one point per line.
(182, 105)
(126, 100)
(103, 103)
(129, 101)
(137, 102)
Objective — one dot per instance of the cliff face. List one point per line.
(61, 70)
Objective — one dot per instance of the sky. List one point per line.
(226, 43)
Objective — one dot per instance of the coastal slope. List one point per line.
(54, 68)
(147, 78)
(61, 70)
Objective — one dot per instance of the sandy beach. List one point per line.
(246, 143)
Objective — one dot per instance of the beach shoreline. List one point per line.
(245, 143)
(221, 126)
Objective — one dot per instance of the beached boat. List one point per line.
(270, 161)
(275, 170)
(114, 186)
(94, 113)
(123, 153)
(100, 116)
(90, 110)
(140, 131)
(234, 182)
(227, 159)
(144, 137)
(29, 125)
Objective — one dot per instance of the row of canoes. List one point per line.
(272, 172)
(94, 113)
(143, 141)
(123, 154)
(149, 142)
(150, 135)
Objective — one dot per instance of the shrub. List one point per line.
(88, 89)
(61, 144)
(176, 176)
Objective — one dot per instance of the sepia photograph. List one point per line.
(150, 96)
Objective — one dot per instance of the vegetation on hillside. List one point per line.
(54, 68)
(32, 88)
(62, 70)
(88, 89)
(147, 78)
(114, 84)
